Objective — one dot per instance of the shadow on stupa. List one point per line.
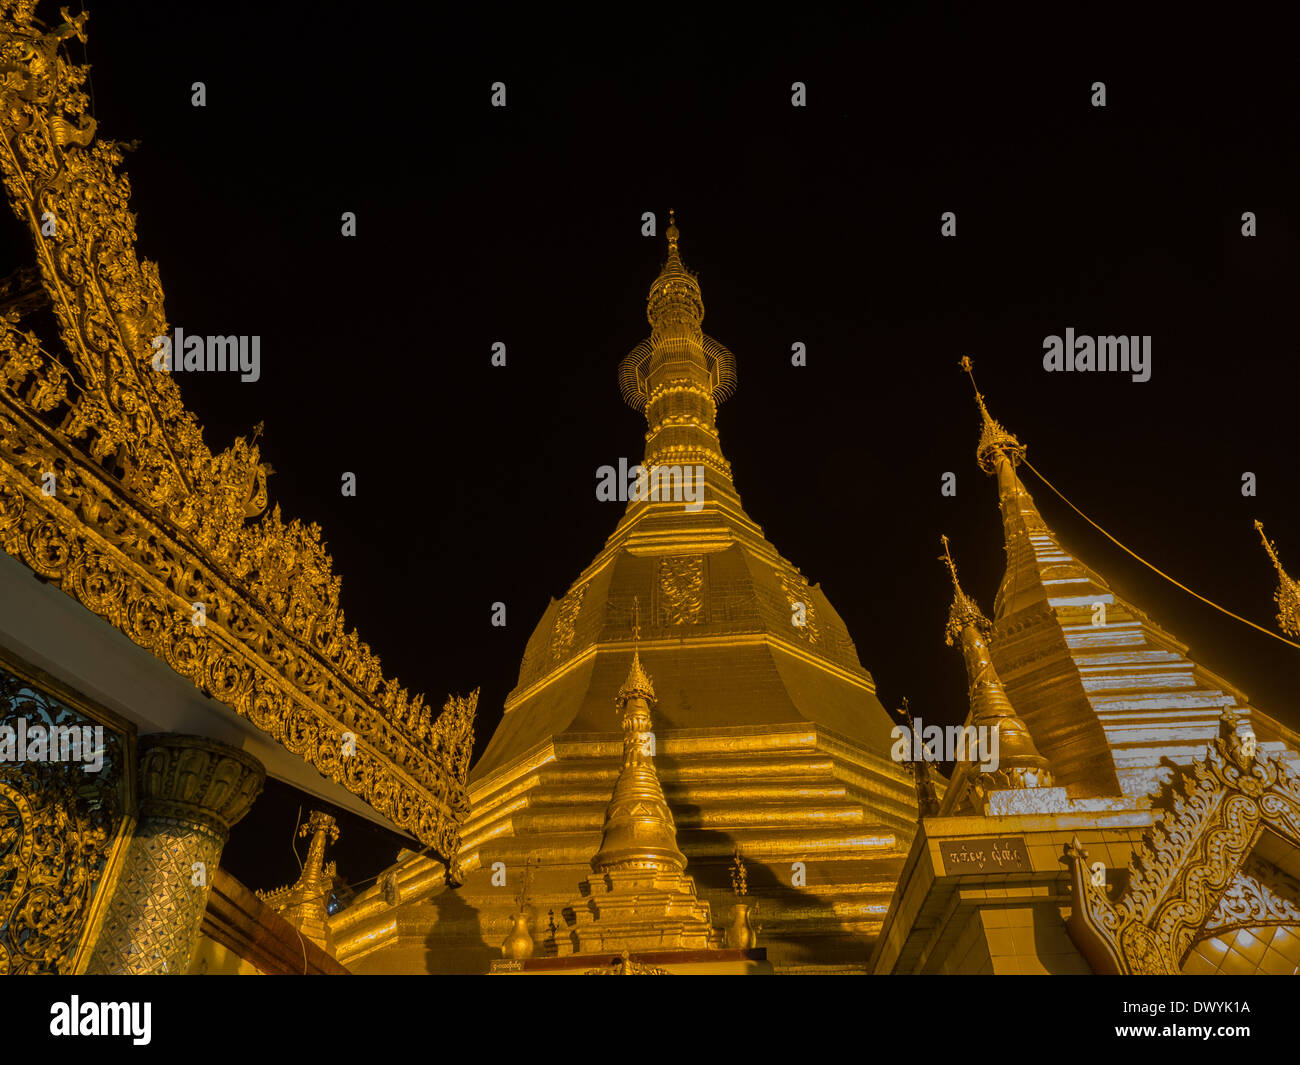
(455, 944)
(772, 893)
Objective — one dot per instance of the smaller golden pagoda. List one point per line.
(638, 896)
(305, 903)
(1018, 763)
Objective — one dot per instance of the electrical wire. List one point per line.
(1155, 569)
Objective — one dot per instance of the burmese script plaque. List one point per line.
(985, 856)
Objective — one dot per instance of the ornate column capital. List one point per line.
(192, 790)
(197, 781)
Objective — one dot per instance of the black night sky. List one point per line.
(819, 224)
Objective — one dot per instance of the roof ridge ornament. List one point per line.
(165, 493)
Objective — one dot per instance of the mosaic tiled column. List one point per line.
(192, 790)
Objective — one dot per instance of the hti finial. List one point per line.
(672, 232)
(993, 437)
(968, 365)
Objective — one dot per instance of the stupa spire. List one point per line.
(1287, 595)
(304, 904)
(927, 795)
(1019, 765)
(678, 376)
(1025, 533)
(639, 832)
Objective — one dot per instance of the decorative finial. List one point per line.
(906, 711)
(993, 437)
(637, 683)
(964, 611)
(1287, 595)
(1020, 765)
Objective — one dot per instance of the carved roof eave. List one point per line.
(1215, 811)
(175, 526)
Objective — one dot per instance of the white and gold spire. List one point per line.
(1107, 693)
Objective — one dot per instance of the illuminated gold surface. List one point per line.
(146, 520)
(1192, 855)
(1019, 763)
(639, 832)
(1105, 692)
(638, 898)
(767, 734)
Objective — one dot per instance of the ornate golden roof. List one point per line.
(146, 519)
(1182, 875)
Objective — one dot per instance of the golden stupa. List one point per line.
(768, 730)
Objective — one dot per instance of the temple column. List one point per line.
(192, 790)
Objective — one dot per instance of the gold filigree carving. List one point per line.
(681, 589)
(625, 966)
(798, 596)
(1188, 859)
(146, 520)
(58, 825)
(566, 620)
(1261, 894)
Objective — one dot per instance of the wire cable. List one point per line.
(1154, 569)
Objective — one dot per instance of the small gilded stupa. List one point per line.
(1001, 754)
(305, 903)
(638, 896)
